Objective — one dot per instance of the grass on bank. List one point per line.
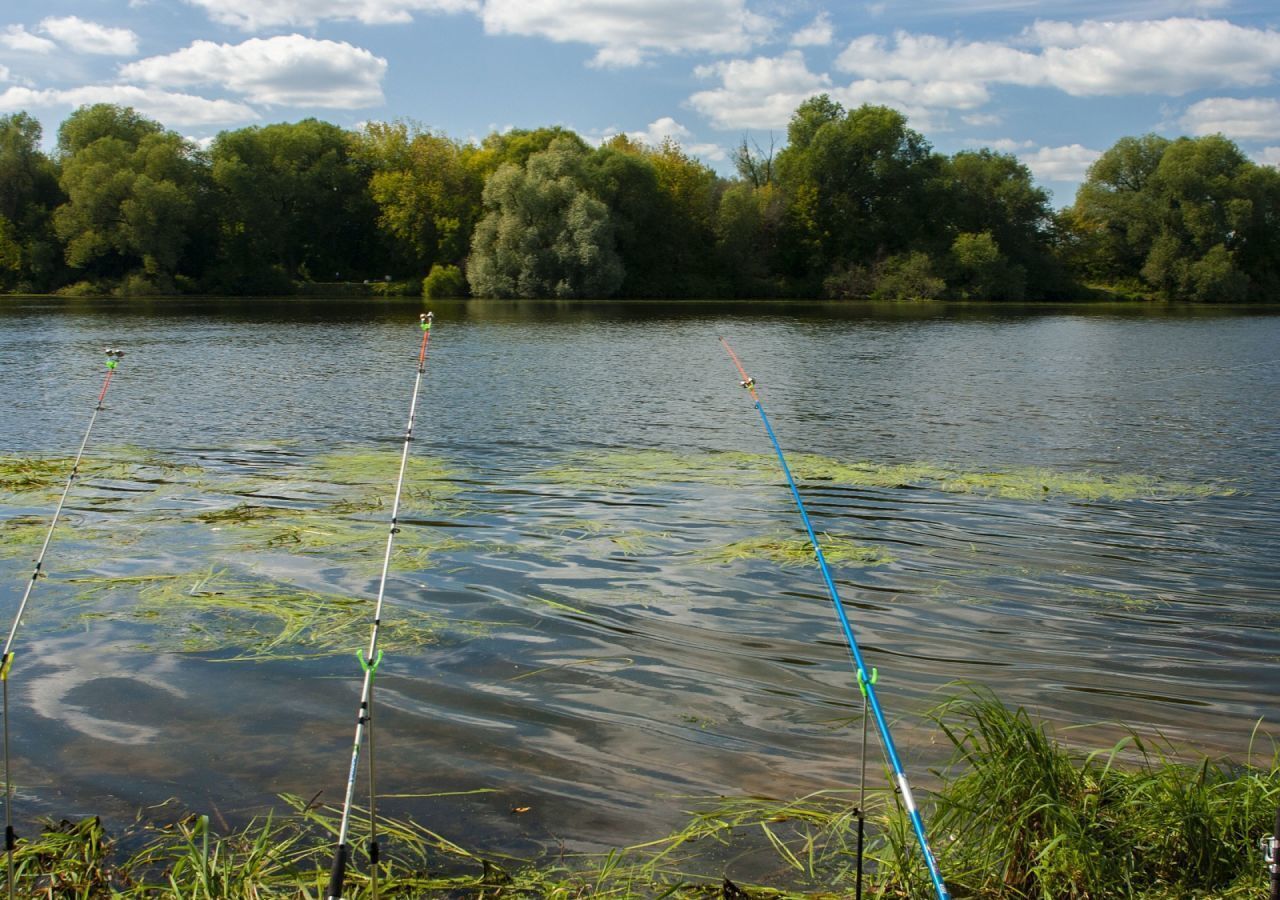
(1018, 816)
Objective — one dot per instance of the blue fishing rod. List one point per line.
(866, 681)
(369, 662)
(6, 656)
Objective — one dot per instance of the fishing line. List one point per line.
(865, 681)
(369, 663)
(6, 657)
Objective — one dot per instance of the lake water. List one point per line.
(599, 608)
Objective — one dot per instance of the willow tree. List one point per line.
(1194, 218)
(543, 233)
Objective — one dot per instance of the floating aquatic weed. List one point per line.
(1015, 484)
(21, 536)
(789, 551)
(624, 541)
(1115, 598)
(637, 541)
(46, 473)
(630, 468)
(412, 555)
(379, 468)
(217, 611)
(325, 532)
(242, 513)
(34, 473)
(571, 527)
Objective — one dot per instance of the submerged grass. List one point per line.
(1017, 816)
(424, 476)
(330, 531)
(219, 612)
(797, 551)
(20, 474)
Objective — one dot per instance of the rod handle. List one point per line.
(1273, 863)
(339, 873)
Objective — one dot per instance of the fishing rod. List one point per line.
(6, 657)
(1271, 858)
(369, 662)
(866, 681)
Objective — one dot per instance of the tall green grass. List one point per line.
(1018, 815)
(1021, 816)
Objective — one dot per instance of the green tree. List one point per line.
(427, 191)
(29, 192)
(517, 145)
(543, 233)
(295, 205)
(622, 176)
(994, 194)
(753, 164)
(132, 192)
(444, 283)
(1193, 218)
(1113, 216)
(982, 270)
(860, 186)
(10, 255)
(691, 196)
(748, 224)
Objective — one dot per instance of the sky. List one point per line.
(1055, 83)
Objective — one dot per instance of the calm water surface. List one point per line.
(577, 639)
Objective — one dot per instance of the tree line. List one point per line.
(855, 205)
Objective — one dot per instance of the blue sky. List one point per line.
(1055, 83)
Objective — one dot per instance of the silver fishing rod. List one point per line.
(370, 661)
(6, 657)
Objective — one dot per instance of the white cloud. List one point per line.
(981, 120)
(4, 73)
(928, 57)
(628, 32)
(1069, 163)
(902, 94)
(290, 70)
(167, 107)
(15, 37)
(255, 15)
(1257, 119)
(765, 91)
(1167, 56)
(1270, 156)
(817, 33)
(1170, 56)
(668, 128)
(757, 93)
(1002, 145)
(90, 37)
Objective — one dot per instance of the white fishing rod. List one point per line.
(369, 662)
(6, 658)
